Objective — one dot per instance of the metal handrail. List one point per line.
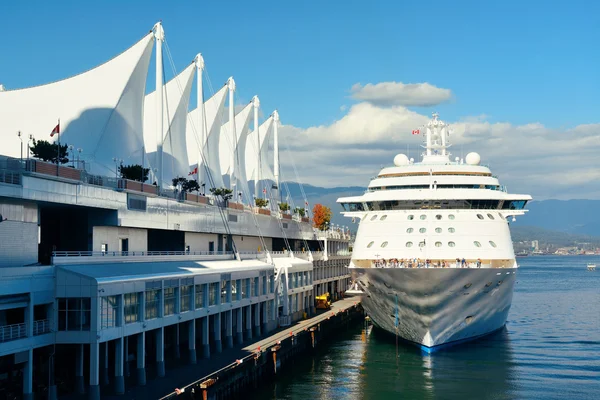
(41, 326)
(12, 332)
(141, 253)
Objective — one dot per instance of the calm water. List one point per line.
(550, 349)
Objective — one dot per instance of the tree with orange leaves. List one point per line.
(321, 216)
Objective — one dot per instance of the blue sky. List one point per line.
(522, 76)
(517, 61)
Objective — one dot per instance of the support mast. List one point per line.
(232, 158)
(256, 105)
(276, 151)
(200, 104)
(159, 35)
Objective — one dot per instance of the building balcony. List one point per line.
(40, 327)
(13, 332)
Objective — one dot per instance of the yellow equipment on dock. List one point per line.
(323, 301)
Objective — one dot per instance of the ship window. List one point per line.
(500, 283)
(477, 244)
(370, 244)
(374, 217)
(422, 230)
(384, 244)
(438, 230)
(409, 244)
(438, 216)
(451, 216)
(409, 230)
(423, 216)
(479, 216)
(488, 284)
(492, 244)
(422, 244)
(411, 217)
(438, 244)
(383, 217)
(451, 230)
(490, 216)
(451, 244)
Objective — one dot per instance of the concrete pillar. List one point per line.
(160, 352)
(177, 349)
(28, 376)
(205, 336)
(257, 319)
(229, 328)
(217, 332)
(127, 371)
(192, 341)
(141, 359)
(119, 378)
(249, 322)
(239, 328)
(265, 304)
(94, 371)
(105, 379)
(79, 381)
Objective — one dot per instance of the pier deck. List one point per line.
(180, 376)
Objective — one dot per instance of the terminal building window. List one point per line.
(224, 285)
(131, 307)
(169, 301)
(213, 293)
(186, 298)
(152, 302)
(234, 290)
(74, 314)
(199, 296)
(109, 311)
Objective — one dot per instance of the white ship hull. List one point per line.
(437, 307)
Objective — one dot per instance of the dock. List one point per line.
(245, 367)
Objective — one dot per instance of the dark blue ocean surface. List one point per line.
(550, 349)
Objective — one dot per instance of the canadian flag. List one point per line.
(55, 130)
(194, 171)
(416, 132)
(265, 191)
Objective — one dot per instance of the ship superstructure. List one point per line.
(433, 251)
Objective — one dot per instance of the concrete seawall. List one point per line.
(269, 357)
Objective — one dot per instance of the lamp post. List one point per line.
(29, 141)
(116, 160)
(21, 139)
(79, 150)
(71, 148)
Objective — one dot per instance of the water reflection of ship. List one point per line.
(483, 369)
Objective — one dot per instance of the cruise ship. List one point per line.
(109, 280)
(433, 252)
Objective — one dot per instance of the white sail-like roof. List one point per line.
(213, 119)
(175, 110)
(100, 110)
(255, 146)
(238, 148)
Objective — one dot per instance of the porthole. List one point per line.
(450, 216)
(488, 284)
(492, 244)
(409, 230)
(423, 216)
(438, 244)
(422, 244)
(384, 244)
(370, 244)
(451, 230)
(469, 319)
(374, 217)
(468, 285)
(409, 244)
(479, 216)
(451, 244)
(411, 217)
(422, 230)
(490, 216)
(438, 230)
(383, 217)
(500, 283)
(477, 244)
(438, 217)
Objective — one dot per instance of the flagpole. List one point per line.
(58, 151)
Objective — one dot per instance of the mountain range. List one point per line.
(572, 217)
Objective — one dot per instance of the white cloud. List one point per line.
(401, 94)
(529, 158)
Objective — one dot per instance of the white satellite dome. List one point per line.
(473, 159)
(400, 160)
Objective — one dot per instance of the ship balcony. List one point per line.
(90, 257)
